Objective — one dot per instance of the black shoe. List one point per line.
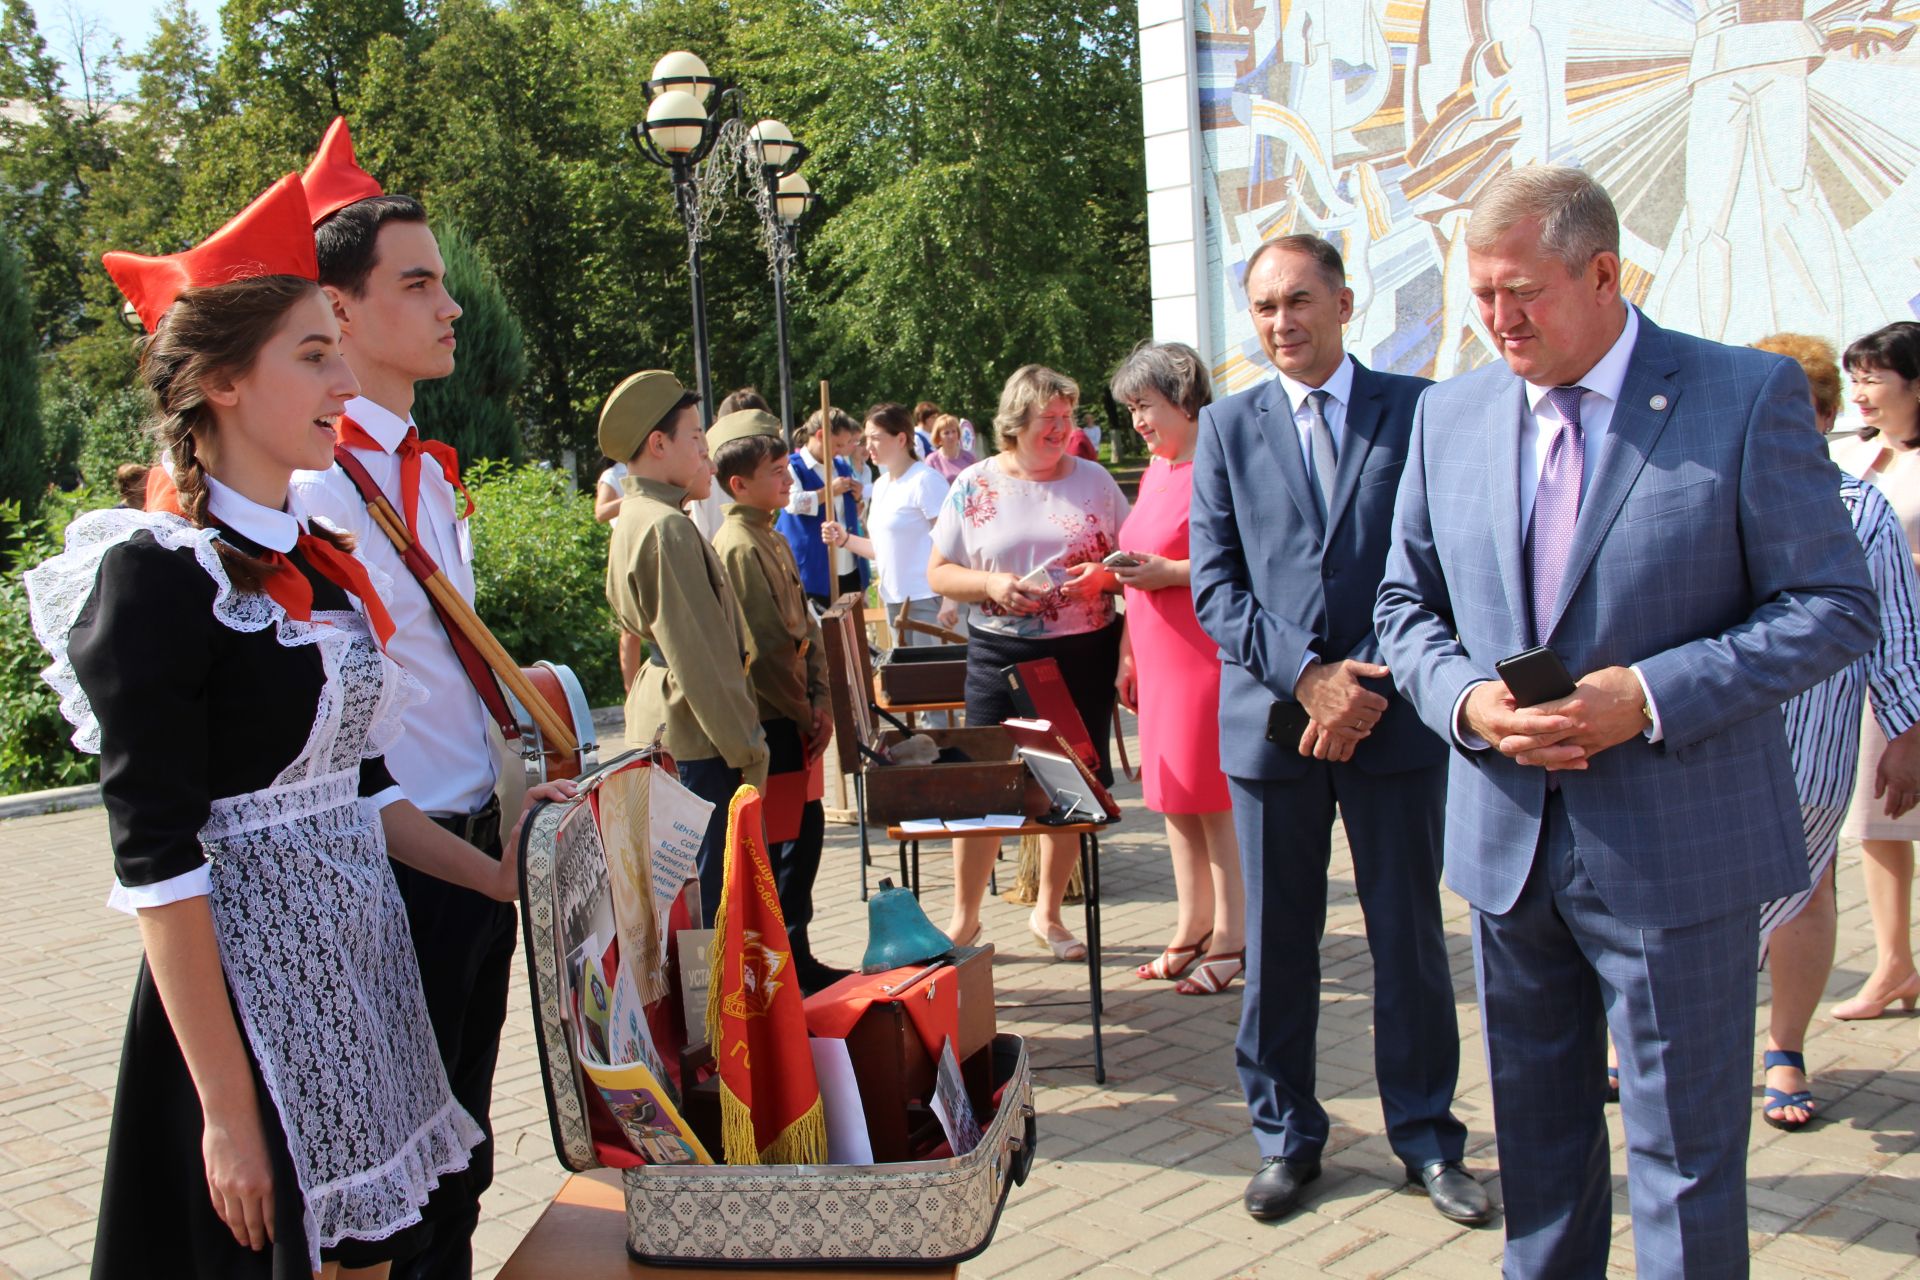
(1275, 1190)
(815, 977)
(1454, 1192)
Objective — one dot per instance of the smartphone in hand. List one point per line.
(1047, 576)
(1534, 677)
(1122, 560)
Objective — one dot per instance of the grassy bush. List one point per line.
(36, 743)
(541, 572)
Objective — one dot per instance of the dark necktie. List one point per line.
(1556, 506)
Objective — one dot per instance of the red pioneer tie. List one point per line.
(291, 590)
(410, 448)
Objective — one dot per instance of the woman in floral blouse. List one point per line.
(1022, 536)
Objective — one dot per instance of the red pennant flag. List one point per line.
(770, 1111)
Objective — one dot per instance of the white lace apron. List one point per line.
(313, 934)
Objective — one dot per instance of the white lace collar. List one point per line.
(274, 530)
(386, 427)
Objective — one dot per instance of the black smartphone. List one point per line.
(1535, 676)
(1286, 721)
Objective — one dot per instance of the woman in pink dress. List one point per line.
(1170, 675)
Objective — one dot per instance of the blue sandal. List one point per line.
(1779, 1099)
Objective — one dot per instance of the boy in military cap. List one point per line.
(666, 586)
(788, 667)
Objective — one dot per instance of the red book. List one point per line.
(1040, 693)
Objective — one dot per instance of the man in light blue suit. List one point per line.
(1658, 511)
(1293, 490)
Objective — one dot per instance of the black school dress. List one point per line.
(236, 740)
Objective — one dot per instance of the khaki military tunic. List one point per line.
(667, 586)
(789, 664)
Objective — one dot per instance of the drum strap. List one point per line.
(422, 567)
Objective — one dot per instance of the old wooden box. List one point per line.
(992, 778)
(922, 676)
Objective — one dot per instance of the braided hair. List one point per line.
(209, 332)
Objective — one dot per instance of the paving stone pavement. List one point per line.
(1138, 1177)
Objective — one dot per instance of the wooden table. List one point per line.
(583, 1236)
(1089, 834)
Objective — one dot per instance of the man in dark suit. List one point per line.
(1658, 510)
(1284, 578)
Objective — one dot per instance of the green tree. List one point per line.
(983, 183)
(156, 138)
(543, 561)
(473, 409)
(23, 474)
(53, 147)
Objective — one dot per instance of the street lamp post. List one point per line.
(677, 135)
(779, 157)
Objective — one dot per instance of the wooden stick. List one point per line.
(457, 608)
(902, 622)
(826, 410)
(495, 654)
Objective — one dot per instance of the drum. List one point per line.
(560, 689)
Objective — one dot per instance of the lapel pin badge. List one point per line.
(1657, 403)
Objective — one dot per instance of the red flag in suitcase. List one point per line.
(770, 1109)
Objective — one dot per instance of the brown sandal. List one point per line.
(1162, 967)
(1214, 974)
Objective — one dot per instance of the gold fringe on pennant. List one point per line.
(736, 1129)
(802, 1142)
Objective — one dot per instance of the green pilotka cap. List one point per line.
(740, 424)
(637, 408)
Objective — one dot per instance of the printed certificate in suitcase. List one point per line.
(607, 876)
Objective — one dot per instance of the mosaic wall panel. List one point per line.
(1761, 153)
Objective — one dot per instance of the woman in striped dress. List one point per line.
(1797, 932)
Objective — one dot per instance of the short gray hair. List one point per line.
(1577, 218)
(1173, 369)
(1029, 390)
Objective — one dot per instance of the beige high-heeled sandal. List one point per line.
(1067, 948)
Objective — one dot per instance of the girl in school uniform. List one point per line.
(281, 1109)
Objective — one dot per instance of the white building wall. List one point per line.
(1175, 225)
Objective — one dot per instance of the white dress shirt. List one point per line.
(274, 531)
(1339, 389)
(444, 760)
(1601, 386)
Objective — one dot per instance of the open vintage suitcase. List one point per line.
(936, 1212)
(991, 780)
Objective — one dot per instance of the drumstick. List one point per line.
(475, 630)
(500, 661)
(490, 649)
(469, 622)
